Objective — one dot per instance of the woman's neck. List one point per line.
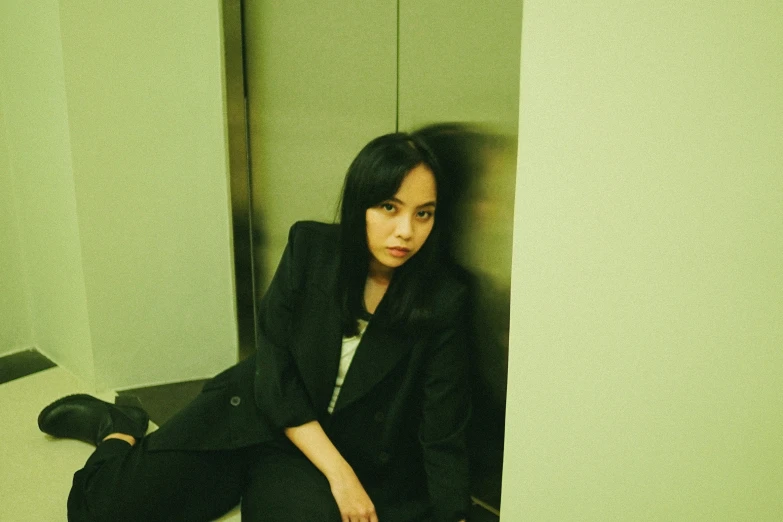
(378, 279)
(373, 293)
(379, 273)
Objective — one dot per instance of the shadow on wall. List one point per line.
(480, 166)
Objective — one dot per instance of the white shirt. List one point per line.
(350, 344)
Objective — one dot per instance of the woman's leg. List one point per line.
(286, 487)
(121, 482)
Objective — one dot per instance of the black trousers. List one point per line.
(274, 484)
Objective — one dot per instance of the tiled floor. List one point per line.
(32, 462)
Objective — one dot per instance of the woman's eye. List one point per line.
(424, 214)
(388, 207)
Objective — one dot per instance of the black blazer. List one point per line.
(402, 411)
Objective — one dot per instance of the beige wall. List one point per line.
(647, 322)
(116, 135)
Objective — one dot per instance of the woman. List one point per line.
(291, 432)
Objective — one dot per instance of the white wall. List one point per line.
(16, 328)
(116, 130)
(144, 83)
(38, 137)
(646, 371)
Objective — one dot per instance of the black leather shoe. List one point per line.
(83, 417)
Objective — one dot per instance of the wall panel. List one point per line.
(647, 323)
(459, 62)
(321, 83)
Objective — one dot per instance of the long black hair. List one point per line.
(373, 177)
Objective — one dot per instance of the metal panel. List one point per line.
(236, 117)
(321, 81)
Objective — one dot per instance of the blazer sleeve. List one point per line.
(445, 415)
(279, 391)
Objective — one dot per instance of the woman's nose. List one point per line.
(404, 228)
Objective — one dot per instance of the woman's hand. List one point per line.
(354, 503)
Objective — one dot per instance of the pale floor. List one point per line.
(35, 469)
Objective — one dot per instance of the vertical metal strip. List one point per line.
(249, 348)
(239, 166)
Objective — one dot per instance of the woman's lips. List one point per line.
(398, 251)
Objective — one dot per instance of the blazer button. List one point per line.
(384, 457)
(379, 416)
(235, 400)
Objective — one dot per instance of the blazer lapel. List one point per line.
(377, 354)
(322, 366)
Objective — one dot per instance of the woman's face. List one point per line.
(398, 227)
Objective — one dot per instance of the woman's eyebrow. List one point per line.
(401, 202)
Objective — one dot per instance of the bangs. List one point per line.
(380, 175)
(384, 187)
